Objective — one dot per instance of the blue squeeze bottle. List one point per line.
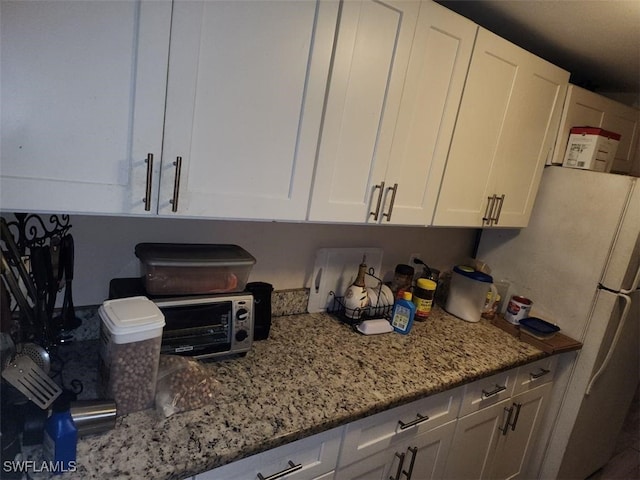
(402, 315)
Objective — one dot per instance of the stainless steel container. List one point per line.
(93, 416)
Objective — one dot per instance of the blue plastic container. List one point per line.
(60, 439)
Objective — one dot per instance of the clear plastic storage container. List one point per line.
(193, 269)
(130, 340)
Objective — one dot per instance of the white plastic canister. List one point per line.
(130, 341)
(468, 292)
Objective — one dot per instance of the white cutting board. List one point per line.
(335, 269)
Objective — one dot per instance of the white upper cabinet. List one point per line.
(395, 87)
(245, 94)
(583, 108)
(82, 93)
(504, 134)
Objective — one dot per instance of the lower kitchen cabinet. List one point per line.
(495, 441)
(421, 457)
(514, 446)
(377, 433)
(312, 458)
(485, 429)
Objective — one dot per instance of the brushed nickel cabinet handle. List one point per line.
(147, 190)
(515, 419)
(541, 373)
(488, 211)
(499, 202)
(420, 419)
(393, 200)
(495, 391)
(505, 428)
(292, 468)
(379, 202)
(414, 453)
(176, 185)
(401, 462)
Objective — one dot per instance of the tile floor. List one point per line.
(625, 464)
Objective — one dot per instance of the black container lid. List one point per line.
(192, 254)
(404, 269)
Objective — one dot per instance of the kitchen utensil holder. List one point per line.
(353, 316)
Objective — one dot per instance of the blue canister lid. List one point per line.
(472, 273)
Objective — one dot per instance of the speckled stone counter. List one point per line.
(312, 374)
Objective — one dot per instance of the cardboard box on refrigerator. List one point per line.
(591, 148)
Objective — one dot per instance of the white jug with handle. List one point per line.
(468, 293)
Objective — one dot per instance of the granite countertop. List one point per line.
(312, 374)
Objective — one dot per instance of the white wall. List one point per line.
(285, 252)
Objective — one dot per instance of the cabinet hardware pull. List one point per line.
(401, 462)
(377, 212)
(541, 373)
(413, 423)
(292, 468)
(505, 428)
(499, 202)
(495, 391)
(515, 419)
(486, 220)
(176, 185)
(147, 190)
(414, 452)
(393, 200)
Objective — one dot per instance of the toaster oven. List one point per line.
(208, 326)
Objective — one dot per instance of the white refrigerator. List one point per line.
(579, 261)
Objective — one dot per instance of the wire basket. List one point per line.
(353, 316)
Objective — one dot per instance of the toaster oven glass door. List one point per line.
(197, 329)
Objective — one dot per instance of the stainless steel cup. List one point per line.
(93, 416)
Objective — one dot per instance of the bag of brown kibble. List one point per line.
(183, 384)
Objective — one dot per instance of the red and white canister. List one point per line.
(518, 308)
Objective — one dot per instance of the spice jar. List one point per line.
(402, 279)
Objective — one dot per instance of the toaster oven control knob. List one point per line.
(241, 335)
(242, 314)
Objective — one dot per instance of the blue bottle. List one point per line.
(402, 315)
(60, 437)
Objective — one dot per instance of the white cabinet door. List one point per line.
(82, 92)
(584, 108)
(374, 41)
(509, 114)
(245, 94)
(475, 441)
(394, 94)
(514, 445)
(312, 458)
(437, 70)
(420, 457)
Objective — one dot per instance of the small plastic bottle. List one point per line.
(402, 315)
(60, 437)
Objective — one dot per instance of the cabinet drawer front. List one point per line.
(488, 391)
(373, 434)
(310, 458)
(535, 374)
